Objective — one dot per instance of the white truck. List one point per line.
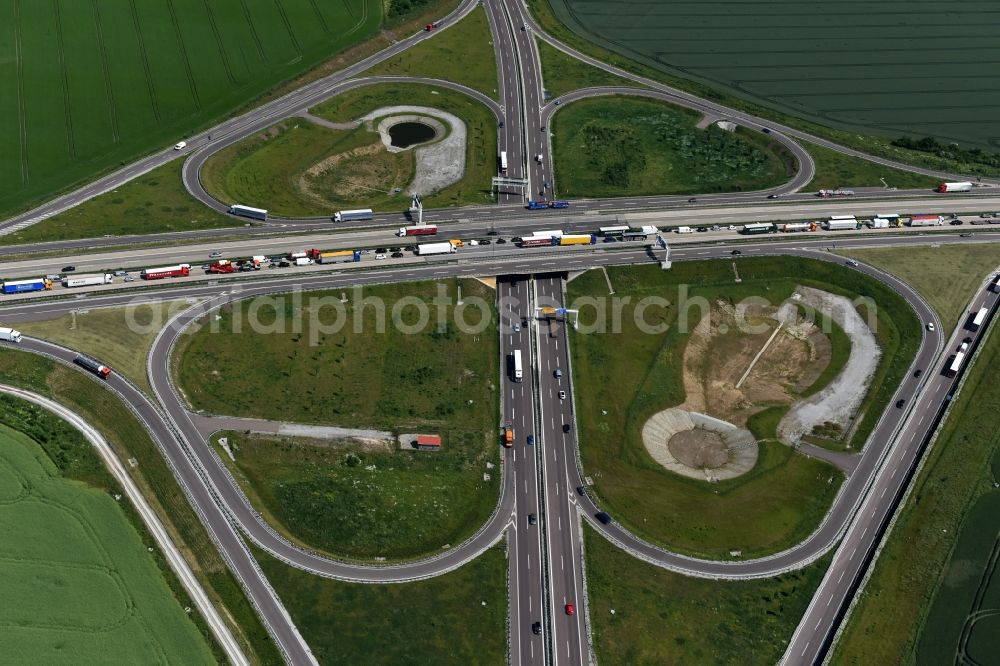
(435, 248)
(684, 230)
(840, 225)
(926, 221)
(10, 335)
(878, 223)
(248, 211)
(353, 215)
(87, 280)
(303, 261)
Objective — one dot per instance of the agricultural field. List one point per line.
(619, 146)
(933, 594)
(130, 440)
(625, 377)
(79, 585)
(946, 275)
(458, 618)
(94, 85)
(855, 70)
(642, 614)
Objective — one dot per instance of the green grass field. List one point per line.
(481, 132)
(946, 275)
(271, 170)
(79, 585)
(458, 618)
(462, 53)
(151, 204)
(361, 502)
(120, 337)
(835, 170)
(130, 440)
(630, 375)
(617, 146)
(562, 73)
(661, 617)
(780, 56)
(924, 584)
(95, 84)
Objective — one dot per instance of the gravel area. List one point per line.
(840, 400)
(439, 164)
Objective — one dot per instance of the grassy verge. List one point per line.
(617, 146)
(946, 275)
(562, 73)
(480, 125)
(279, 169)
(462, 54)
(154, 478)
(361, 501)
(835, 170)
(642, 614)
(58, 581)
(624, 377)
(120, 337)
(151, 204)
(541, 11)
(457, 618)
(935, 552)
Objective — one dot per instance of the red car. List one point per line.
(569, 609)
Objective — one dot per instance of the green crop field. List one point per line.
(623, 377)
(91, 84)
(78, 583)
(618, 146)
(886, 67)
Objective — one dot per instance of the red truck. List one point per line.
(180, 270)
(420, 230)
(95, 367)
(222, 266)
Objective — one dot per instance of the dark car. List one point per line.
(566, 427)
(381, 250)
(955, 223)
(536, 628)
(603, 517)
(736, 252)
(773, 196)
(492, 232)
(765, 130)
(394, 249)
(397, 255)
(532, 519)
(581, 491)
(531, 440)
(692, 199)
(500, 125)
(967, 340)
(501, 241)
(900, 403)
(701, 229)
(918, 372)
(485, 241)
(965, 235)
(69, 269)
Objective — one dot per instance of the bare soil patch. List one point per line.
(699, 448)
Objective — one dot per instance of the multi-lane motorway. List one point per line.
(539, 509)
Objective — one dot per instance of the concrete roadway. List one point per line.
(813, 636)
(525, 562)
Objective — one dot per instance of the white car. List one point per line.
(380, 256)
(180, 145)
(851, 262)
(215, 255)
(562, 395)
(930, 326)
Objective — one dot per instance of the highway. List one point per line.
(545, 563)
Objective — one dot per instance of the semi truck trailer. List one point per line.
(95, 367)
(339, 257)
(955, 187)
(926, 221)
(841, 225)
(180, 270)
(418, 230)
(248, 211)
(353, 215)
(87, 280)
(10, 335)
(577, 239)
(435, 248)
(21, 286)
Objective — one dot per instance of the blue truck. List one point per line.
(21, 286)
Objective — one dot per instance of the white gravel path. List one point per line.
(840, 400)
